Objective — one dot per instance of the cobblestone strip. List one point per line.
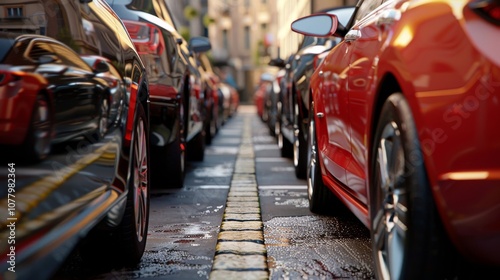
(240, 252)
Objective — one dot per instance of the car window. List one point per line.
(367, 7)
(68, 57)
(343, 15)
(38, 49)
(5, 45)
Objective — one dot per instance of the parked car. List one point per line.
(403, 131)
(90, 194)
(284, 103)
(214, 98)
(175, 90)
(77, 102)
(261, 95)
(295, 113)
(228, 93)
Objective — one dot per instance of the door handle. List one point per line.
(388, 17)
(352, 35)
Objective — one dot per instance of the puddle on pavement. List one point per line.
(220, 170)
(321, 247)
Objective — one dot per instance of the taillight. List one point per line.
(487, 9)
(147, 38)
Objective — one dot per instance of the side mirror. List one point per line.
(199, 44)
(47, 58)
(318, 25)
(101, 66)
(278, 62)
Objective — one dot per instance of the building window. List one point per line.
(14, 12)
(225, 42)
(247, 37)
(263, 27)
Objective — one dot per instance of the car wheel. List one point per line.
(321, 199)
(196, 147)
(277, 123)
(124, 244)
(299, 147)
(407, 236)
(168, 164)
(38, 140)
(133, 230)
(285, 146)
(208, 129)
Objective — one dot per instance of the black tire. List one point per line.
(133, 230)
(124, 245)
(208, 135)
(299, 146)
(277, 123)
(321, 199)
(211, 126)
(37, 145)
(286, 148)
(407, 236)
(196, 147)
(168, 165)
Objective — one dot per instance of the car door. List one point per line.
(334, 142)
(366, 39)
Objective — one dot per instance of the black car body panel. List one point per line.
(83, 185)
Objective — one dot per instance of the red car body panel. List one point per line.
(441, 56)
(18, 91)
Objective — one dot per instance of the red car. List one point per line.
(403, 131)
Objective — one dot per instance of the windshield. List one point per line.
(5, 46)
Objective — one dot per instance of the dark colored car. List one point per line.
(214, 98)
(76, 102)
(404, 133)
(294, 116)
(91, 192)
(175, 86)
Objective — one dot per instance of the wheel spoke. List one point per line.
(382, 164)
(141, 180)
(379, 230)
(395, 248)
(396, 161)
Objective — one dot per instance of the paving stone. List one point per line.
(248, 235)
(239, 210)
(238, 193)
(255, 204)
(242, 198)
(237, 225)
(230, 261)
(242, 217)
(240, 247)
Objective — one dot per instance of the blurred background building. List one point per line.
(244, 34)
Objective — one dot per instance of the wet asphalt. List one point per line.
(185, 224)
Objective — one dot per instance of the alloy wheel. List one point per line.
(389, 223)
(140, 187)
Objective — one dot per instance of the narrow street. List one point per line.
(214, 227)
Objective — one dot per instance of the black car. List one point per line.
(175, 91)
(293, 117)
(89, 193)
